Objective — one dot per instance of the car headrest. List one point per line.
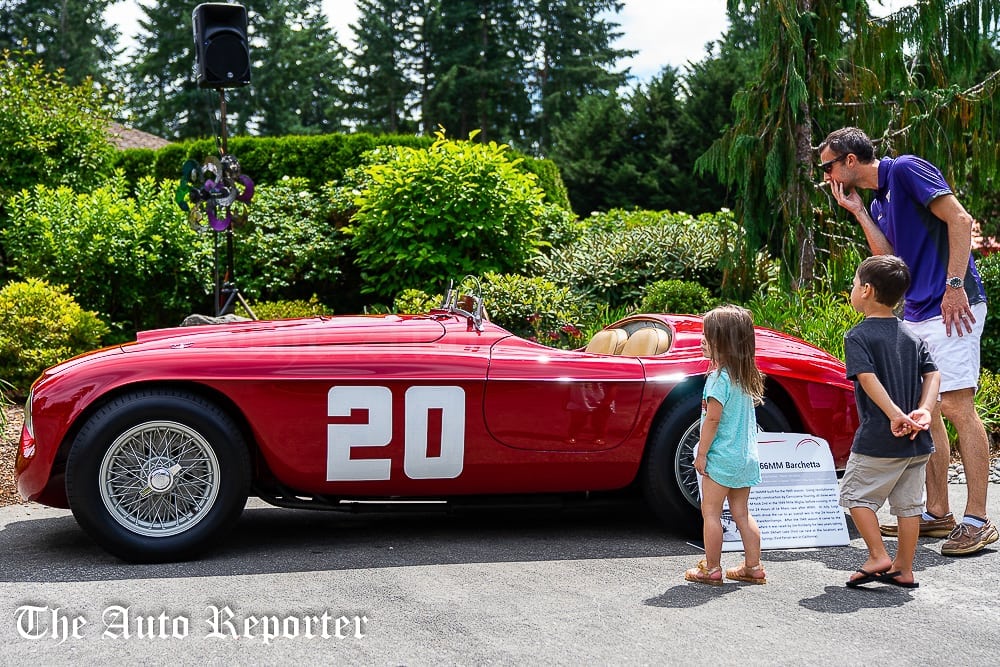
(647, 342)
(607, 341)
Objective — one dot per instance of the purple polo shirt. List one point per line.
(906, 187)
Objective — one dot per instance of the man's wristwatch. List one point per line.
(955, 282)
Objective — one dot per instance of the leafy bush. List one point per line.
(288, 250)
(677, 296)
(134, 261)
(414, 301)
(425, 212)
(988, 403)
(41, 325)
(621, 253)
(536, 309)
(989, 270)
(280, 310)
(988, 407)
(50, 132)
(820, 318)
(5, 387)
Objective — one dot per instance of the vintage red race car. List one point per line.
(157, 444)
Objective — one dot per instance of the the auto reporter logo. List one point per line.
(120, 622)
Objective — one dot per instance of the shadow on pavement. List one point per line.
(273, 540)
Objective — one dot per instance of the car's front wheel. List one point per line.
(158, 475)
(670, 482)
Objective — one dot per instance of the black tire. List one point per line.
(156, 476)
(670, 483)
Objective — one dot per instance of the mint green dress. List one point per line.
(732, 459)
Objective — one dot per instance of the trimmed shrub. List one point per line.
(320, 159)
(455, 204)
(621, 253)
(135, 262)
(677, 296)
(536, 309)
(282, 310)
(415, 302)
(288, 250)
(41, 325)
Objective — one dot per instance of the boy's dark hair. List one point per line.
(850, 140)
(889, 277)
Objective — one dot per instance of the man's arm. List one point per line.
(852, 201)
(955, 308)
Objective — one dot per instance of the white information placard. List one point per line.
(797, 502)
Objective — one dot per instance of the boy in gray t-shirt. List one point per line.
(895, 384)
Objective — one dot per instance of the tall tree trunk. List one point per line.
(802, 184)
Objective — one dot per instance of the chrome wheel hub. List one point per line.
(159, 478)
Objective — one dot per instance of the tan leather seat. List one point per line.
(607, 341)
(647, 342)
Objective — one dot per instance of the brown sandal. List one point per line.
(750, 575)
(703, 575)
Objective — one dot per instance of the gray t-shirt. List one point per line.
(881, 345)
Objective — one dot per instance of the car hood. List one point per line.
(342, 330)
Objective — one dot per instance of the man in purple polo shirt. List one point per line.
(915, 215)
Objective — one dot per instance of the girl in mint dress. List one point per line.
(727, 449)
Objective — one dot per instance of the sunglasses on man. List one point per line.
(827, 166)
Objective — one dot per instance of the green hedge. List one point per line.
(318, 159)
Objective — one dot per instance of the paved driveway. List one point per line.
(593, 586)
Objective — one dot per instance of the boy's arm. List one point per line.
(928, 397)
(900, 423)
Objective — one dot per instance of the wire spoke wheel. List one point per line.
(159, 478)
(684, 472)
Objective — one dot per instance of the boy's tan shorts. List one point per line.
(869, 480)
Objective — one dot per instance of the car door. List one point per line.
(540, 398)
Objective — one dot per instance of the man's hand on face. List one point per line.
(849, 199)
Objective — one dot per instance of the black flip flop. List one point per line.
(866, 578)
(893, 578)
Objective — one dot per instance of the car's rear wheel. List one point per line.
(670, 483)
(157, 476)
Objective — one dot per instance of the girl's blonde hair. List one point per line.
(730, 336)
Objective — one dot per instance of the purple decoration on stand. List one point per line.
(247, 193)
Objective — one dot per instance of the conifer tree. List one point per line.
(71, 35)
(575, 58)
(298, 71)
(386, 66)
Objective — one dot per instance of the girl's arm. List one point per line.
(713, 413)
(900, 423)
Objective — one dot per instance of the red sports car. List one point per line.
(156, 445)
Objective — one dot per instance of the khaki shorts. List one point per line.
(870, 480)
(957, 357)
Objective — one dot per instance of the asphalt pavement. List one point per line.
(585, 586)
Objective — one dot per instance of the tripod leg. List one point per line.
(227, 306)
(246, 306)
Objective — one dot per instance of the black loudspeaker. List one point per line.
(222, 52)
